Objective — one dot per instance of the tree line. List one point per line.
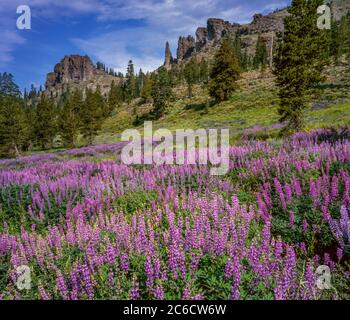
(301, 52)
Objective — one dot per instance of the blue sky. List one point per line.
(111, 31)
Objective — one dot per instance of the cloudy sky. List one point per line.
(111, 31)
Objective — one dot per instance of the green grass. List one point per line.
(254, 104)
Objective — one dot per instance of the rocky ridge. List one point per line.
(75, 71)
(207, 38)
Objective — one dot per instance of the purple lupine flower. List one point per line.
(61, 286)
(334, 190)
(291, 218)
(124, 262)
(305, 226)
(186, 294)
(289, 192)
(43, 294)
(159, 292)
(280, 193)
(340, 254)
(134, 292)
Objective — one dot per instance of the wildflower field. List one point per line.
(90, 227)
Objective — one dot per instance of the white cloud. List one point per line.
(164, 20)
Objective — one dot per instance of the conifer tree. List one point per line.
(203, 71)
(190, 75)
(260, 58)
(13, 122)
(161, 93)
(8, 87)
(300, 60)
(130, 87)
(146, 93)
(69, 120)
(45, 122)
(91, 117)
(115, 97)
(225, 72)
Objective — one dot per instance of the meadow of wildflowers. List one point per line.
(90, 227)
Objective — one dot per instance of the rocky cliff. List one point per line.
(77, 71)
(207, 38)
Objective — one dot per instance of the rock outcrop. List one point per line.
(186, 46)
(208, 37)
(72, 68)
(217, 28)
(77, 72)
(270, 23)
(168, 56)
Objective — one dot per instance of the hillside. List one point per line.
(252, 109)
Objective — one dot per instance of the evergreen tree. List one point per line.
(140, 81)
(91, 117)
(146, 93)
(225, 72)
(115, 97)
(190, 75)
(45, 122)
(8, 87)
(245, 63)
(237, 47)
(300, 60)
(161, 93)
(69, 121)
(13, 121)
(12, 127)
(340, 38)
(260, 58)
(203, 71)
(130, 88)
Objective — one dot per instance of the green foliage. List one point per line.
(132, 201)
(340, 38)
(69, 120)
(45, 125)
(161, 93)
(14, 125)
(92, 115)
(225, 72)
(260, 58)
(301, 58)
(130, 85)
(191, 75)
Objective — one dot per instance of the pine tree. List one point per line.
(13, 121)
(301, 57)
(190, 75)
(203, 71)
(91, 117)
(146, 93)
(12, 127)
(245, 61)
(237, 47)
(225, 72)
(115, 97)
(130, 88)
(69, 121)
(45, 122)
(161, 93)
(8, 86)
(260, 58)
